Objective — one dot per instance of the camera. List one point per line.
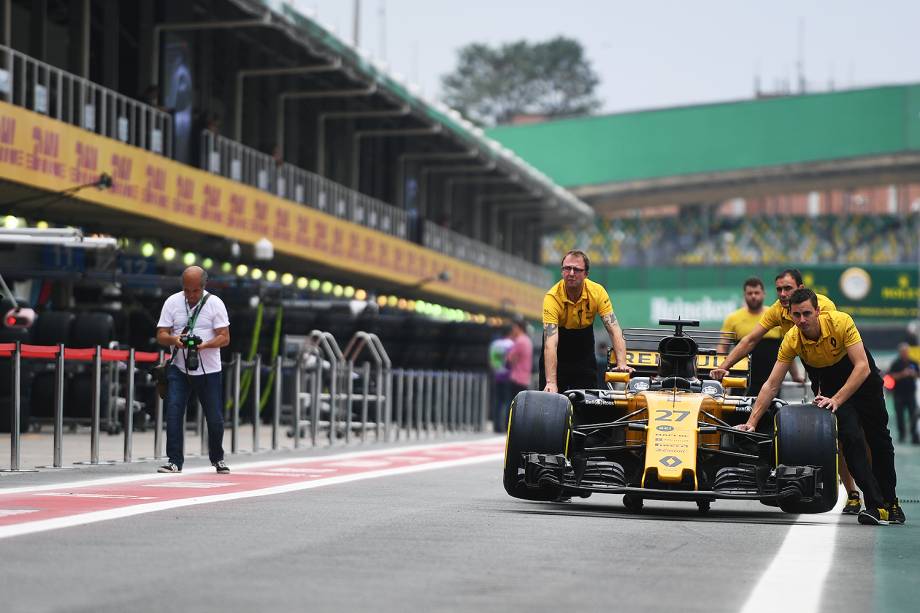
(191, 357)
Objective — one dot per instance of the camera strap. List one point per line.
(190, 326)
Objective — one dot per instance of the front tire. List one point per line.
(539, 422)
(806, 435)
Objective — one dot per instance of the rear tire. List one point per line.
(806, 435)
(539, 422)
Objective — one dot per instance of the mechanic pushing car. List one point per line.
(848, 384)
(777, 316)
(569, 307)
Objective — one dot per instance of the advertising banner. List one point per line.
(51, 155)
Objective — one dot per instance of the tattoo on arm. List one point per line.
(550, 330)
(610, 320)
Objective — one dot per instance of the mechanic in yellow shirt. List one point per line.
(569, 308)
(848, 384)
(740, 323)
(777, 315)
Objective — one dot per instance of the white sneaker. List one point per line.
(169, 468)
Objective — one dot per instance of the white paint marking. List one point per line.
(97, 516)
(12, 512)
(361, 463)
(200, 485)
(801, 565)
(102, 496)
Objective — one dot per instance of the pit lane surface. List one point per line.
(449, 538)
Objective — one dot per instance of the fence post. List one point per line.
(235, 417)
(158, 421)
(276, 410)
(296, 405)
(256, 399)
(366, 389)
(129, 409)
(97, 405)
(58, 407)
(16, 403)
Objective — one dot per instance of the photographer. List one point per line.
(195, 325)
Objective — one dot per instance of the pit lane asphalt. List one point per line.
(445, 540)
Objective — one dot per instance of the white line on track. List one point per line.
(97, 516)
(800, 567)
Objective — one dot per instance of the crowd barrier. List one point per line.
(335, 399)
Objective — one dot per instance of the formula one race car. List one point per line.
(668, 435)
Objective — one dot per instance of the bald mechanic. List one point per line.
(849, 385)
(569, 308)
(194, 312)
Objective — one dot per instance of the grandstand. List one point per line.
(693, 239)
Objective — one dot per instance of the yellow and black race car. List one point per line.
(668, 435)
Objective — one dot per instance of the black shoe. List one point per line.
(896, 513)
(853, 504)
(222, 468)
(169, 468)
(874, 517)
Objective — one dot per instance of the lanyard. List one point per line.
(192, 318)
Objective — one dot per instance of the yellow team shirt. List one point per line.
(776, 315)
(837, 333)
(559, 310)
(742, 321)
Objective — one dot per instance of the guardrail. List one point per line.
(228, 158)
(465, 248)
(333, 397)
(45, 89)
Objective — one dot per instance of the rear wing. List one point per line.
(642, 350)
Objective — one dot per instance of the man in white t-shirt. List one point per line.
(193, 317)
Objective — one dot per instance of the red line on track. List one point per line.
(41, 503)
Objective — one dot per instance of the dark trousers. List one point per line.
(905, 409)
(860, 421)
(503, 397)
(208, 389)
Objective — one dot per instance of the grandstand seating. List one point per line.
(691, 239)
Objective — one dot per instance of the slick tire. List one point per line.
(807, 436)
(540, 422)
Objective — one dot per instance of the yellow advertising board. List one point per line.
(48, 154)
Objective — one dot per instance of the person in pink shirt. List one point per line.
(519, 359)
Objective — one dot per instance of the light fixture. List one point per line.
(207, 263)
(302, 283)
(189, 258)
(169, 254)
(326, 287)
(271, 276)
(287, 278)
(147, 249)
(226, 268)
(256, 273)
(241, 270)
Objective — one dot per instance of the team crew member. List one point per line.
(193, 312)
(905, 371)
(850, 386)
(787, 282)
(742, 322)
(569, 307)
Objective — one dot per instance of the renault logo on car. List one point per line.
(670, 461)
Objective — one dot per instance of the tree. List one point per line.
(552, 78)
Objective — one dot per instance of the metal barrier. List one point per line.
(45, 89)
(332, 396)
(228, 158)
(465, 248)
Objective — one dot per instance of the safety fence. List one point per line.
(228, 158)
(45, 89)
(323, 395)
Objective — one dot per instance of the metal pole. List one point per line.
(333, 395)
(158, 422)
(366, 376)
(400, 389)
(256, 397)
(276, 412)
(315, 389)
(16, 400)
(429, 395)
(296, 405)
(348, 397)
(58, 407)
(97, 404)
(484, 403)
(410, 402)
(129, 409)
(235, 418)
